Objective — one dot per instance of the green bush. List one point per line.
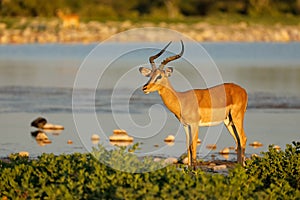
(82, 176)
(279, 171)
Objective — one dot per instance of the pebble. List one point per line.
(199, 141)
(219, 168)
(278, 148)
(119, 132)
(256, 144)
(185, 160)
(169, 138)
(211, 146)
(50, 126)
(24, 154)
(69, 142)
(171, 160)
(95, 137)
(120, 135)
(41, 136)
(224, 151)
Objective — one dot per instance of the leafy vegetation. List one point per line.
(275, 175)
(279, 171)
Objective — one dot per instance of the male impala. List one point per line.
(199, 107)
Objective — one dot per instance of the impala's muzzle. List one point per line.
(145, 87)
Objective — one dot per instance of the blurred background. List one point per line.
(156, 9)
(203, 20)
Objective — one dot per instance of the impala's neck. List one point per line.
(170, 98)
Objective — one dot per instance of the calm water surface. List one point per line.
(37, 80)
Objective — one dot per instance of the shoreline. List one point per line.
(38, 31)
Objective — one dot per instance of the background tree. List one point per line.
(120, 9)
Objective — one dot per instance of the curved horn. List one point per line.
(151, 59)
(163, 63)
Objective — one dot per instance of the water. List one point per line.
(38, 80)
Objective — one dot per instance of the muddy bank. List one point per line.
(52, 31)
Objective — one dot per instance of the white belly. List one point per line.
(210, 123)
(212, 117)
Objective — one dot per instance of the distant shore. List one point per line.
(52, 31)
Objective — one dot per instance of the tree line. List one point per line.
(118, 9)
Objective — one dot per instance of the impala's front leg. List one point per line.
(187, 129)
(194, 134)
(191, 132)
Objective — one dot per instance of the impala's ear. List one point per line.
(169, 71)
(145, 71)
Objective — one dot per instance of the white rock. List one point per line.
(185, 161)
(170, 138)
(49, 126)
(278, 148)
(41, 136)
(171, 160)
(199, 141)
(219, 167)
(256, 144)
(224, 151)
(95, 137)
(24, 154)
(120, 136)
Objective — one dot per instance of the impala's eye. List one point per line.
(158, 77)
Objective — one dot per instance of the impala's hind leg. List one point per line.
(235, 127)
(195, 131)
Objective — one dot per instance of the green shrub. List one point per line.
(279, 171)
(82, 176)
